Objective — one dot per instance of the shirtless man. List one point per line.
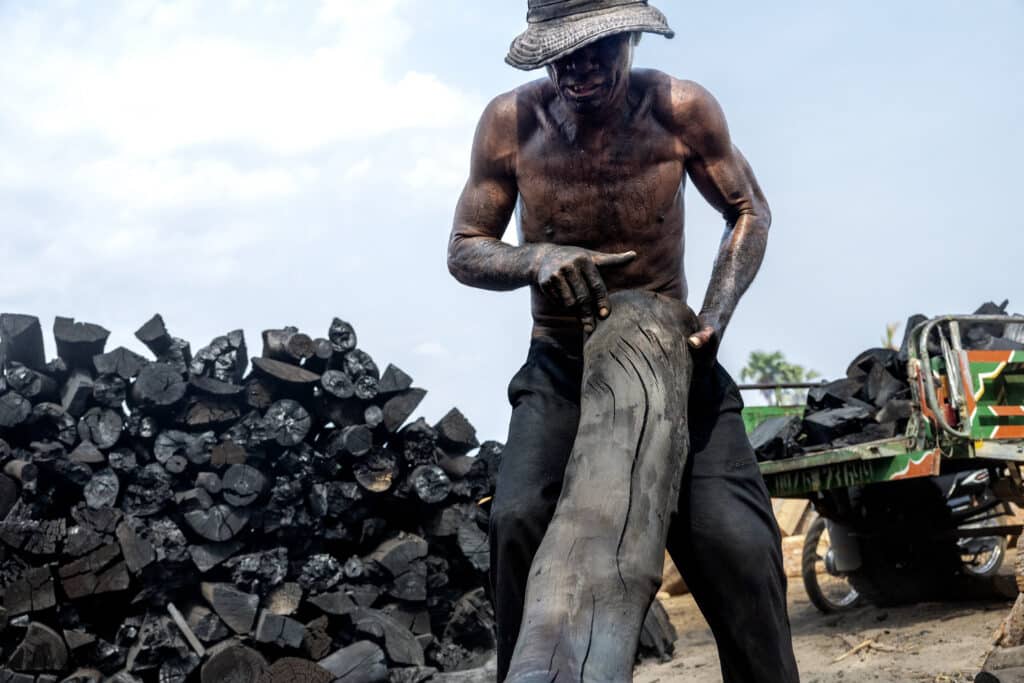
(595, 157)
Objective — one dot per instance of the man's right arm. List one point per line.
(476, 255)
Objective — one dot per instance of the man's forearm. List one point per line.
(738, 261)
(489, 263)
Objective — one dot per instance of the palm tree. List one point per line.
(773, 368)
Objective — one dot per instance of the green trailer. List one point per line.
(892, 531)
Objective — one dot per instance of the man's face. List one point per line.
(591, 77)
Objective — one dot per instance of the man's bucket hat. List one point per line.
(558, 27)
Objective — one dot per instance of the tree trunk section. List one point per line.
(599, 565)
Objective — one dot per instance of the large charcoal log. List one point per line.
(35, 386)
(242, 485)
(342, 336)
(394, 380)
(155, 336)
(76, 392)
(42, 649)
(218, 523)
(455, 434)
(600, 563)
(101, 427)
(400, 407)
(14, 409)
(354, 440)
(109, 391)
(295, 670)
(77, 343)
(21, 340)
(236, 664)
(288, 345)
(288, 422)
(33, 592)
(338, 384)
(361, 662)
(401, 646)
(160, 386)
(224, 359)
(237, 609)
(377, 471)
(102, 571)
(285, 373)
(430, 483)
(121, 362)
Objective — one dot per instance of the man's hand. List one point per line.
(570, 276)
(705, 341)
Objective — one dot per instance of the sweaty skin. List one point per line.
(597, 156)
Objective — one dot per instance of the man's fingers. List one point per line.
(565, 293)
(601, 259)
(598, 289)
(699, 339)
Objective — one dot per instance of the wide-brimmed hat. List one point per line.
(558, 27)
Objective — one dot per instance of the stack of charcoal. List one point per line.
(873, 401)
(177, 518)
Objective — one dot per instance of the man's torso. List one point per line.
(619, 191)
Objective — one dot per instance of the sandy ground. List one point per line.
(938, 643)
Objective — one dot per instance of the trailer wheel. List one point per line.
(828, 590)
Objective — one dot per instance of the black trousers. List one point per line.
(724, 538)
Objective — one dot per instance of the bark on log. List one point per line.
(599, 565)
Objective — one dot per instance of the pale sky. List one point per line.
(258, 164)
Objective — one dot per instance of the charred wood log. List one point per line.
(42, 649)
(159, 387)
(77, 343)
(50, 422)
(584, 612)
(21, 340)
(455, 434)
(361, 661)
(288, 345)
(33, 592)
(342, 336)
(121, 362)
(110, 391)
(285, 373)
(155, 336)
(15, 409)
(294, 670)
(236, 664)
(337, 384)
(34, 386)
(219, 523)
(76, 392)
(224, 359)
(400, 407)
(235, 608)
(102, 427)
(376, 471)
(287, 422)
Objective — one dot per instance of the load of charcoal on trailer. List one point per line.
(181, 519)
(873, 401)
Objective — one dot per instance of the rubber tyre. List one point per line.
(809, 573)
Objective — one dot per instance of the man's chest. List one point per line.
(584, 196)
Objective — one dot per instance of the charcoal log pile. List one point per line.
(187, 517)
(873, 401)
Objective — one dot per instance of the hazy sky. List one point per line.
(258, 164)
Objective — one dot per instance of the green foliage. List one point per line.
(889, 339)
(773, 368)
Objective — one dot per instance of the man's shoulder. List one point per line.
(680, 104)
(510, 107)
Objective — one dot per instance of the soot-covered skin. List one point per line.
(597, 157)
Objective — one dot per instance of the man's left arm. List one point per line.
(723, 176)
